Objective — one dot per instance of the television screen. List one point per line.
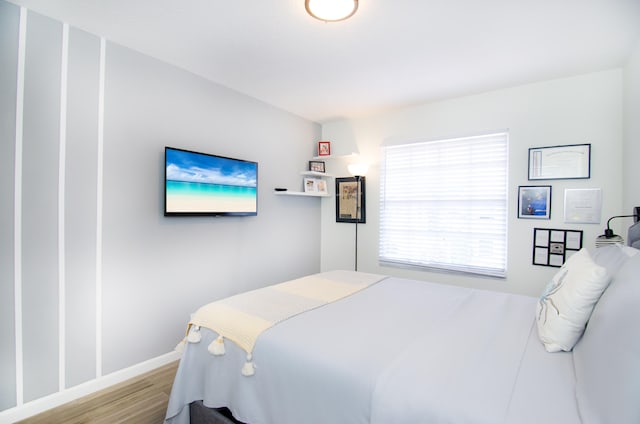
(204, 184)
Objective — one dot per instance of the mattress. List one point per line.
(400, 351)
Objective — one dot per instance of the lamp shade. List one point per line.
(358, 169)
(603, 240)
(331, 10)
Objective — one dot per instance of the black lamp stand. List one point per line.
(608, 232)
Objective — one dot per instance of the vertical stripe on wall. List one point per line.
(80, 206)
(39, 232)
(103, 52)
(17, 248)
(9, 34)
(64, 59)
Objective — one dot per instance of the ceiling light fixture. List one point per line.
(331, 10)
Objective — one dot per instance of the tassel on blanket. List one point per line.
(248, 369)
(194, 335)
(180, 346)
(216, 347)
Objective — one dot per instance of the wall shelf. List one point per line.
(335, 156)
(300, 193)
(316, 174)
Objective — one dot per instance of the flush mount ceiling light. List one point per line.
(331, 10)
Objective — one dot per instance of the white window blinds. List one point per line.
(444, 204)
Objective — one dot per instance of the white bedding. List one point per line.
(413, 352)
(463, 369)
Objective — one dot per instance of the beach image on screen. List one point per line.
(199, 183)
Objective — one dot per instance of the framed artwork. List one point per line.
(315, 185)
(534, 202)
(582, 205)
(350, 200)
(324, 148)
(316, 166)
(560, 162)
(553, 247)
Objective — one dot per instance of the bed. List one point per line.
(403, 351)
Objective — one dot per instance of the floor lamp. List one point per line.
(358, 171)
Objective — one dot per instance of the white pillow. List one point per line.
(566, 304)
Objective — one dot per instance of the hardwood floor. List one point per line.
(141, 400)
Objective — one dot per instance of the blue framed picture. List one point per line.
(534, 202)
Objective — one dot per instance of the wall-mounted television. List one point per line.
(205, 184)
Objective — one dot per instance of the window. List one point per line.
(444, 204)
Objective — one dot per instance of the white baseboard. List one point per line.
(37, 406)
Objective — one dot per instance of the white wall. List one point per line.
(632, 132)
(581, 109)
(94, 279)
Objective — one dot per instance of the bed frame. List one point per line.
(201, 414)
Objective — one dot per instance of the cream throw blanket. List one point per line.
(242, 318)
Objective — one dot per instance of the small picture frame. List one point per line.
(316, 166)
(324, 148)
(552, 247)
(534, 202)
(350, 200)
(315, 185)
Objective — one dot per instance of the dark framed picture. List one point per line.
(560, 162)
(350, 200)
(316, 166)
(534, 202)
(324, 148)
(552, 247)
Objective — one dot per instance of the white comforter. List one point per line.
(401, 351)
